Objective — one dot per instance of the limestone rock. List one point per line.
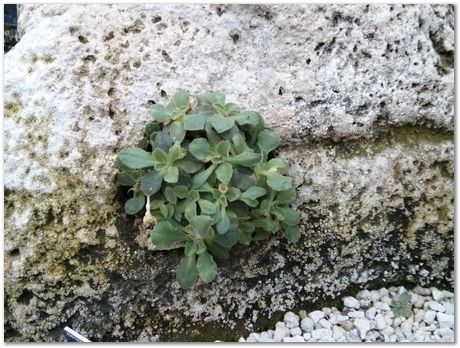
(362, 96)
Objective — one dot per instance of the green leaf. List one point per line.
(223, 223)
(136, 158)
(161, 140)
(172, 175)
(221, 123)
(211, 98)
(201, 177)
(206, 267)
(232, 194)
(125, 179)
(176, 152)
(277, 163)
(190, 248)
(291, 216)
(247, 159)
(186, 273)
(229, 239)
(292, 233)
(223, 148)
(207, 207)
(286, 197)
(181, 100)
(159, 156)
(190, 210)
(151, 127)
(177, 131)
(245, 238)
(201, 150)
(164, 235)
(239, 143)
(194, 122)
(135, 204)
(268, 140)
(164, 210)
(170, 195)
(180, 191)
(242, 181)
(188, 165)
(279, 182)
(159, 113)
(401, 305)
(247, 117)
(202, 225)
(224, 172)
(254, 192)
(151, 182)
(216, 249)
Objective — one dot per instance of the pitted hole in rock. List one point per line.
(25, 297)
(15, 252)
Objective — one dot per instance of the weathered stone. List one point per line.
(362, 96)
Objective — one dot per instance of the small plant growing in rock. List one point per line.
(210, 181)
(402, 306)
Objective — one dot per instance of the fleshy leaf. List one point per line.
(181, 100)
(201, 177)
(223, 148)
(216, 249)
(221, 123)
(291, 216)
(164, 235)
(268, 140)
(223, 223)
(207, 207)
(206, 267)
(125, 179)
(190, 248)
(180, 191)
(186, 273)
(172, 175)
(159, 156)
(202, 225)
(229, 239)
(170, 195)
(194, 122)
(176, 152)
(189, 165)
(159, 113)
(254, 192)
(224, 172)
(201, 150)
(177, 131)
(151, 182)
(279, 182)
(161, 140)
(135, 204)
(247, 159)
(136, 158)
(247, 117)
(285, 197)
(292, 233)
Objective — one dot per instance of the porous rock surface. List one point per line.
(362, 95)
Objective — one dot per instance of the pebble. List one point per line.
(445, 320)
(363, 326)
(433, 320)
(316, 316)
(321, 335)
(429, 317)
(351, 302)
(291, 320)
(307, 324)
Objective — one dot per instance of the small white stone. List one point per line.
(448, 294)
(351, 302)
(307, 336)
(449, 308)
(321, 335)
(307, 324)
(372, 336)
(316, 316)
(382, 306)
(375, 295)
(445, 320)
(437, 294)
(397, 322)
(420, 301)
(436, 306)
(380, 322)
(446, 332)
(429, 317)
(364, 295)
(383, 292)
(326, 310)
(271, 333)
(421, 336)
(265, 337)
(422, 291)
(253, 337)
(386, 299)
(388, 331)
(356, 314)
(302, 314)
(280, 324)
(325, 324)
(241, 339)
(406, 325)
(280, 333)
(353, 336)
(296, 331)
(371, 313)
(338, 318)
(363, 326)
(365, 303)
(337, 333)
(293, 339)
(291, 319)
(347, 325)
(419, 316)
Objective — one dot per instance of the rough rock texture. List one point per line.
(363, 97)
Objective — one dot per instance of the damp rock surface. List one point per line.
(362, 96)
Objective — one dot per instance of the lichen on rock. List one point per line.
(362, 96)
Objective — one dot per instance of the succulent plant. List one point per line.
(211, 181)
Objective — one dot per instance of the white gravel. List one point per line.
(369, 317)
